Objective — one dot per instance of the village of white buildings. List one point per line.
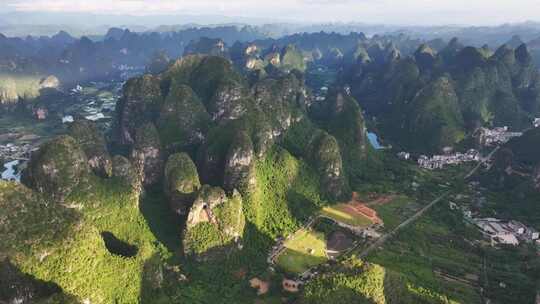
(486, 137)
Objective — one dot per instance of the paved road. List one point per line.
(380, 241)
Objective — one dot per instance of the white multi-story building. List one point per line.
(502, 232)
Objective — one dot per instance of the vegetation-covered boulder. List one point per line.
(326, 155)
(181, 182)
(146, 154)
(183, 120)
(57, 167)
(124, 170)
(93, 143)
(215, 224)
(139, 104)
(49, 82)
(292, 59)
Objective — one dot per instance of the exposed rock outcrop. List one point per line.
(215, 224)
(124, 170)
(49, 82)
(57, 168)
(92, 141)
(181, 182)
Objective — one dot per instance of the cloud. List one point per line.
(370, 11)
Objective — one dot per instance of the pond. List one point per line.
(10, 172)
(374, 141)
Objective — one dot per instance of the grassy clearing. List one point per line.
(304, 250)
(396, 211)
(340, 213)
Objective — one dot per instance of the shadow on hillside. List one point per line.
(300, 207)
(165, 226)
(219, 279)
(19, 287)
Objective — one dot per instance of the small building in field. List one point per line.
(291, 285)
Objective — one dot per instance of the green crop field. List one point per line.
(339, 213)
(396, 211)
(304, 250)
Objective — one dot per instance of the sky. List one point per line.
(396, 12)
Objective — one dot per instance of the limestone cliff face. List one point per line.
(181, 183)
(325, 154)
(146, 154)
(92, 141)
(228, 102)
(57, 168)
(215, 224)
(239, 164)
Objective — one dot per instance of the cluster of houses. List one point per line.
(536, 122)
(439, 161)
(404, 155)
(496, 136)
(12, 151)
(506, 232)
(321, 95)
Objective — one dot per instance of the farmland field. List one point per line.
(343, 213)
(396, 211)
(304, 250)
